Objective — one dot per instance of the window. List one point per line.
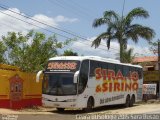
(126, 71)
(93, 66)
(104, 65)
(140, 72)
(119, 67)
(111, 66)
(96, 64)
(83, 76)
(59, 84)
(151, 69)
(132, 69)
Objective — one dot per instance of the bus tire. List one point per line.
(90, 105)
(132, 101)
(60, 109)
(127, 103)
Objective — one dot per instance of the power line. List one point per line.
(34, 25)
(84, 9)
(58, 33)
(72, 46)
(29, 17)
(72, 5)
(72, 11)
(123, 7)
(45, 29)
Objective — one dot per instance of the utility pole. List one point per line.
(159, 65)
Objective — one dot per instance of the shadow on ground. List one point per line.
(99, 109)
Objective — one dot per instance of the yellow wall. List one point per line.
(30, 86)
(4, 82)
(31, 89)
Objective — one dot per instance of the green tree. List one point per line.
(70, 53)
(154, 46)
(31, 52)
(122, 28)
(2, 52)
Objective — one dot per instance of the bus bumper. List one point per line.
(69, 105)
(76, 102)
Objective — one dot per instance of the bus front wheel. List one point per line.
(90, 105)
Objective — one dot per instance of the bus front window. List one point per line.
(59, 84)
(83, 76)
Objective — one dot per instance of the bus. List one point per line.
(87, 82)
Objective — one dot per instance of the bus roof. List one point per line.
(96, 58)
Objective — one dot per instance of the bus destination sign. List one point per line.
(63, 66)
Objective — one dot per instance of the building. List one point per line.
(18, 89)
(151, 70)
(149, 63)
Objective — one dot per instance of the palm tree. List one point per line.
(128, 56)
(121, 28)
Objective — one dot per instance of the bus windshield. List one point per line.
(59, 84)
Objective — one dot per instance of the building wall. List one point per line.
(19, 89)
(156, 67)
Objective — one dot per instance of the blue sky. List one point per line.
(77, 16)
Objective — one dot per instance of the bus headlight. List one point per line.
(71, 100)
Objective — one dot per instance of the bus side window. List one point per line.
(125, 71)
(93, 66)
(111, 66)
(83, 76)
(139, 70)
(119, 67)
(104, 65)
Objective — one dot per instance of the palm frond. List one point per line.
(136, 13)
(111, 15)
(108, 18)
(127, 56)
(135, 31)
(98, 22)
(97, 41)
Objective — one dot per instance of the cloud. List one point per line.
(84, 48)
(61, 18)
(44, 19)
(9, 24)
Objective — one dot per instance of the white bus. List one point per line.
(87, 82)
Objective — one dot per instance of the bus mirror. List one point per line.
(38, 75)
(76, 77)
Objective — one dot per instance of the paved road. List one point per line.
(154, 112)
(47, 117)
(110, 111)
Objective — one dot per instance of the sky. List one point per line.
(76, 17)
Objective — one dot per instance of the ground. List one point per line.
(42, 113)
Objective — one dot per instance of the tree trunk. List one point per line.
(121, 51)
